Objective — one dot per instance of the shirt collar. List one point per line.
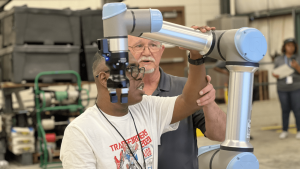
(164, 82)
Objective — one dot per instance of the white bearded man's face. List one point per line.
(147, 52)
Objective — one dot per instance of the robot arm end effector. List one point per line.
(118, 22)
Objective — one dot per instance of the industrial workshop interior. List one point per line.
(160, 84)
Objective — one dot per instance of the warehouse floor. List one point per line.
(271, 152)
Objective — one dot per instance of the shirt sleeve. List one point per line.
(163, 108)
(199, 120)
(76, 152)
(276, 62)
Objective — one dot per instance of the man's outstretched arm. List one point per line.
(186, 104)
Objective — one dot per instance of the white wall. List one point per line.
(246, 6)
(197, 12)
(57, 4)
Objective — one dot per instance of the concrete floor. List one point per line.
(271, 152)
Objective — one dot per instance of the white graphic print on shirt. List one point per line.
(126, 160)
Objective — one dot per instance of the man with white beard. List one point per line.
(178, 148)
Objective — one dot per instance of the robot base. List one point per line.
(212, 157)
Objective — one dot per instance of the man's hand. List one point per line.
(294, 64)
(208, 93)
(194, 54)
(276, 76)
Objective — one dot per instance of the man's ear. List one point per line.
(162, 48)
(103, 79)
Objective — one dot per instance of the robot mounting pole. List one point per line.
(242, 49)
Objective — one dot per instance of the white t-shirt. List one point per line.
(90, 142)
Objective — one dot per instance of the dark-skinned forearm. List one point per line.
(186, 104)
(195, 83)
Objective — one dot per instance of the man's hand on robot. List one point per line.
(203, 29)
(194, 53)
(208, 94)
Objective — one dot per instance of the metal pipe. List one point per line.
(239, 107)
(182, 36)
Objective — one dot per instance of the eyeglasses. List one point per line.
(140, 48)
(136, 71)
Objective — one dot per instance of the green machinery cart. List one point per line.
(41, 107)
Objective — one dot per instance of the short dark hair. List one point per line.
(288, 41)
(98, 58)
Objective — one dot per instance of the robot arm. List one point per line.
(242, 49)
(245, 46)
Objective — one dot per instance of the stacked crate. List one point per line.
(2, 148)
(92, 29)
(21, 142)
(33, 40)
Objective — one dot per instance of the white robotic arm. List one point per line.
(242, 49)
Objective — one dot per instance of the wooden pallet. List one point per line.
(263, 89)
(56, 154)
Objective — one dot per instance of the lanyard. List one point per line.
(125, 140)
(286, 60)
